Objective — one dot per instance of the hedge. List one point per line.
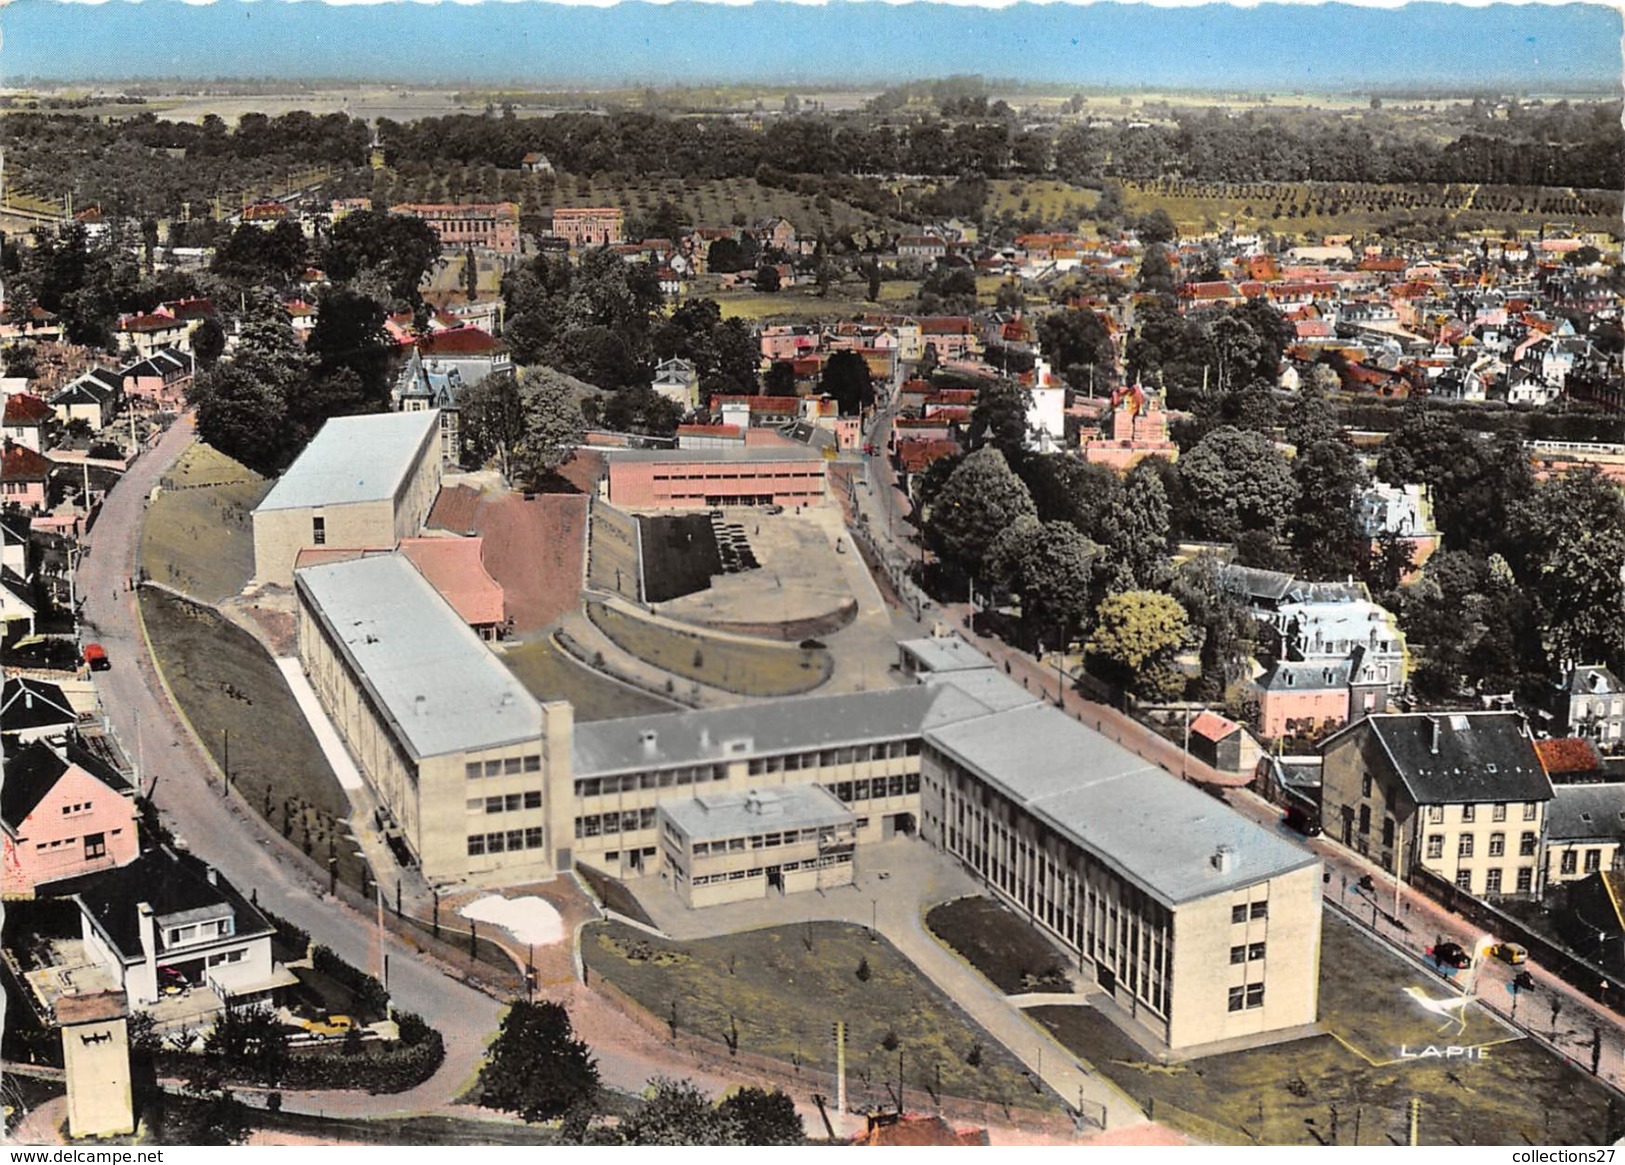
(369, 993)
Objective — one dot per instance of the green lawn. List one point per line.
(1285, 1094)
(783, 988)
(549, 673)
(239, 705)
(749, 668)
(804, 303)
(196, 535)
(1005, 948)
(1048, 199)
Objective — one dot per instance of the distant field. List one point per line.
(196, 536)
(1046, 198)
(843, 302)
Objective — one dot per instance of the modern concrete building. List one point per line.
(363, 482)
(727, 847)
(1462, 794)
(458, 753)
(750, 475)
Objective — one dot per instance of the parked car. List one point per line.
(1513, 953)
(95, 656)
(1452, 955)
(1305, 821)
(330, 1028)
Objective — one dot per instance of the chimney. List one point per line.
(213, 875)
(648, 739)
(1223, 859)
(705, 737)
(419, 704)
(1434, 748)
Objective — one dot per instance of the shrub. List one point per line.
(369, 993)
(863, 971)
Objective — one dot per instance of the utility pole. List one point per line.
(1416, 1120)
(840, 1072)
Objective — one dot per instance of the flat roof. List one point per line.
(354, 459)
(441, 687)
(1156, 831)
(944, 653)
(718, 815)
(721, 456)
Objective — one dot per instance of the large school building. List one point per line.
(1201, 924)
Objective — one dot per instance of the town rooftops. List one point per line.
(1460, 757)
(355, 459)
(1593, 680)
(174, 885)
(33, 771)
(464, 341)
(1586, 812)
(23, 409)
(710, 816)
(429, 675)
(1157, 832)
(20, 463)
(1564, 757)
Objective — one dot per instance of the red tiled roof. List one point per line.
(945, 325)
(759, 404)
(1212, 726)
(153, 322)
(197, 308)
(465, 341)
(709, 430)
(264, 211)
(454, 508)
(20, 463)
(918, 454)
(1381, 263)
(23, 409)
(1568, 754)
(454, 567)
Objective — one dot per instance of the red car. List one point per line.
(95, 656)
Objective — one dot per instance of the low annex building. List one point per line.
(747, 475)
(363, 482)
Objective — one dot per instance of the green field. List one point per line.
(196, 536)
(1286, 1094)
(240, 707)
(782, 988)
(549, 673)
(1047, 199)
(746, 667)
(804, 304)
(1007, 950)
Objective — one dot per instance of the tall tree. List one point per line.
(1571, 562)
(1236, 482)
(492, 420)
(979, 499)
(846, 378)
(537, 1067)
(1000, 419)
(675, 1112)
(349, 335)
(553, 424)
(1136, 636)
(1324, 528)
(396, 249)
(764, 1118)
(1049, 564)
(1077, 344)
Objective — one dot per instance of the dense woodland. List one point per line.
(147, 167)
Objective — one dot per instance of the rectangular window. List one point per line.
(318, 531)
(493, 804)
(533, 837)
(1468, 814)
(1387, 833)
(1526, 880)
(516, 840)
(493, 768)
(1238, 913)
(1464, 846)
(533, 799)
(1593, 859)
(1435, 845)
(1365, 785)
(1237, 997)
(1261, 910)
(1255, 951)
(472, 770)
(1530, 808)
(533, 764)
(493, 843)
(1365, 819)
(1464, 880)
(1238, 954)
(476, 844)
(1492, 882)
(1255, 995)
(1526, 844)
(1499, 813)
(1570, 862)
(1435, 814)
(96, 845)
(1498, 844)
(511, 765)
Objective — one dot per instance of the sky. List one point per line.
(1530, 47)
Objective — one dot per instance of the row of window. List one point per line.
(764, 477)
(636, 782)
(235, 956)
(1469, 813)
(506, 803)
(595, 824)
(896, 785)
(768, 840)
(507, 841)
(1527, 844)
(76, 808)
(505, 767)
(1493, 883)
(1247, 953)
(827, 861)
(95, 844)
(1242, 911)
(1593, 861)
(1249, 997)
(197, 932)
(835, 756)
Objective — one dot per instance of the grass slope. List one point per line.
(550, 674)
(196, 536)
(748, 668)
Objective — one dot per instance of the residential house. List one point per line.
(92, 398)
(535, 163)
(953, 337)
(1461, 794)
(17, 609)
(34, 324)
(678, 381)
(160, 381)
(168, 923)
(1585, 825)
(589, 226)
(24, 477)
(28, 422)
(265, 215)
(1404, 512)
(921, 248)
(31, 710)
(1592, 703)
(779, 234)
(66, 812)
(151, 332)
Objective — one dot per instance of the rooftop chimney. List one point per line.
(648, 739)
(419, 704)
(1434, 748)
(1223, 859)
(213, 875)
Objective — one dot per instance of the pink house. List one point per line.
(1303, 699)
(23, 477)
(65, 812)
(1136, 428)
(160, 380)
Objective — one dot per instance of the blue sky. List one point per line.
(1283, 47)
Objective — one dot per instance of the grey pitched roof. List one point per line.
(1480, 756)
(1594, 680)
(442, 689)
(27, 703)
(1586, 812)
(1289, 676)
(354, 459)
(1156, 831)
(1254, 582)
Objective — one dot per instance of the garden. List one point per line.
(744, 667)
